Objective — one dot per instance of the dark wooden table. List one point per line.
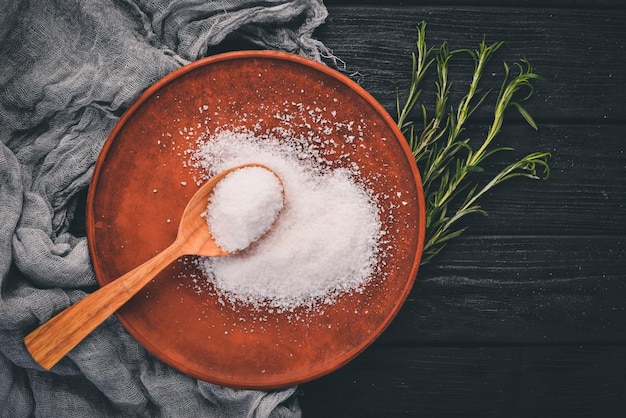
(525, 314)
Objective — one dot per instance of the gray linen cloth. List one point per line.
(68, 70)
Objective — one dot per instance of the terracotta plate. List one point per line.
(142, 182)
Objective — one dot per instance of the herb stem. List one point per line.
(446, 158)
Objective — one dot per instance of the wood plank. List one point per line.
(533, 289)
(494, 326)
(556, 4)
(566, 4)
(580, 53)
(560, 381)
(584, 135)
(585, 193)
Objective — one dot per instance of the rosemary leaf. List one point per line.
(447, 159)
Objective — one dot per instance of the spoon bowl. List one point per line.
(193, 235)
(51, 341)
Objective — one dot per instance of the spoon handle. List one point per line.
(54, 339)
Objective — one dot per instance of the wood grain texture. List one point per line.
(524, 315)
(481, 382)
(541, 4)
(578, 52)
(518, 289)
(584, 195)
(578, 106)
(55, 338)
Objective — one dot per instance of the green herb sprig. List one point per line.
(447, 159)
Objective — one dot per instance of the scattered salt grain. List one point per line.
(243, 206)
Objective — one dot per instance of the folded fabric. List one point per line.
(68, 70)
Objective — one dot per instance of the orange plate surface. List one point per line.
(142, 182)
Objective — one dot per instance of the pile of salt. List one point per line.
(243, 206)
(325, 242)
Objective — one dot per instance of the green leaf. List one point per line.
(444, 155)
(525, 115)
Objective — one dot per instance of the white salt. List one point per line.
(325, 241)
(243, 206)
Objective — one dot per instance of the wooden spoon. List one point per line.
(54, 339)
